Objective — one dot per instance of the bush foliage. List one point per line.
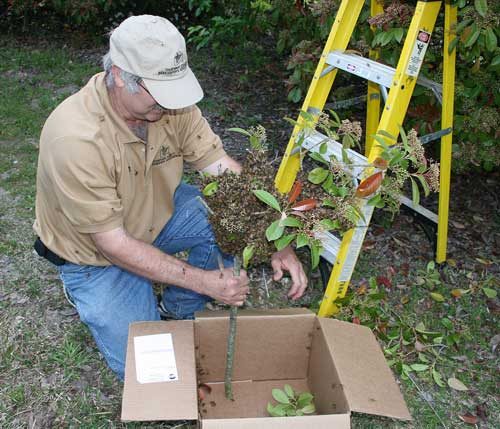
(299, 28)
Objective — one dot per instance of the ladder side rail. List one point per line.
(449, 60)
(340, 34)
(373, 96)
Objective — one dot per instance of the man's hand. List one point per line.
(286, 259)
(223, 286)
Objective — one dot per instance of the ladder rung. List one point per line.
(373, 70)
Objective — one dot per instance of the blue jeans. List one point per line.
(109, 298)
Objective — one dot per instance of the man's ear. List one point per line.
(115, 70)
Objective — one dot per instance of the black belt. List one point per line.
(48, 254)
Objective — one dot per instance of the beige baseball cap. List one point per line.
(152, 48)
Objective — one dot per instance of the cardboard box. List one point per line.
(340, 363)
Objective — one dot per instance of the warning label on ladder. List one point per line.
(418, 53)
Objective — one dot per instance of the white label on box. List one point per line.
(155, 359)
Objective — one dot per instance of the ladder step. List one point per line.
(372, 70)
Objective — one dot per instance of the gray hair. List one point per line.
(131, 80)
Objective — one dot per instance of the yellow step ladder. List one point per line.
(396, 87)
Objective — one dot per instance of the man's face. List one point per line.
(142, 105)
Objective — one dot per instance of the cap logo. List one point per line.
(179, 56)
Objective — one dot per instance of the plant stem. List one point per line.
(228, 387)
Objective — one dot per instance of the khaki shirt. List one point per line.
(95, 175)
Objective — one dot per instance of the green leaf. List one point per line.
(248, 252)
(210, 189)
(276, 411)
(447, 323)
(424, 184)
(284, 241)
(384, 133)
(274, 231)
(241, 131)
(268, 199)
(490, 39)
(415, 192)
(473, 36)
(419, 367)
(481, 7)
(302, 240)
(280, 396)
(452, 45)
(495, 61)
(437, 378)
(318, 175)
(289, 391)
(437, 297)
(308, 409)
(317, 157)
(329, 224)
(315, 253)
(323, 148)
(398, 34)
(490, 293)
(305, 398)
(292, 222)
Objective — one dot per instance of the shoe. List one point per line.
(164, 313)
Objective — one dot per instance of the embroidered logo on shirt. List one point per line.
(164, 155)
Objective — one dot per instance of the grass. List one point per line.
(51, 372)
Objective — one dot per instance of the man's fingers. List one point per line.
(278, 272)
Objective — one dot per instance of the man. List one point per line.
(110, 206)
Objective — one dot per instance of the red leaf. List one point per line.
(305, 205)
(468, 418)
(380, 163)
(295, 192)
(355, 320)
(383, 281)
(369, 185)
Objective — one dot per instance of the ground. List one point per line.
(430, 319)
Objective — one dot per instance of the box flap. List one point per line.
(269, 344)
(334, 421)
(169, 400)
(367, 381)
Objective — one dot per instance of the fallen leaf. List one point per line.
(494, 342)
(456, 384)
(483, 261)
(451, 262)
(381, 280)
(361, 290)
(405, 299)
(419, 347)
(468, 418)
(457, 293)
(458, 225)
(203, 391)
(490, 293)
(437, 297)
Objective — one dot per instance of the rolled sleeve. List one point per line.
(199, 144)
